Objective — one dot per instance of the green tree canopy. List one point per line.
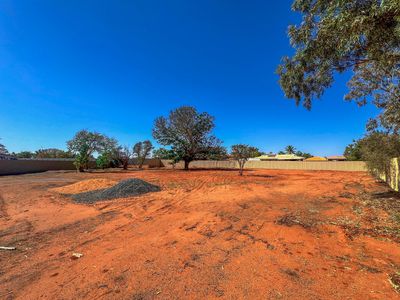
(24, 154)
(290, 149)
(378, 149)
(303, 154)
(353, 151)
(163, 153)
(213, 153)
(53, 153)
(337, 36)
(188, 132)
(85, 143)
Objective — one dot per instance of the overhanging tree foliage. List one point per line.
(188, 132)
(337, 36)
(378, 149)
(242, 153)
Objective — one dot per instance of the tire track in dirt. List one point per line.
(3, 208)
(31, 242)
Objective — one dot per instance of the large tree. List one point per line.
(188, 132)
(85, 143)
(242, 153)
(362, 37)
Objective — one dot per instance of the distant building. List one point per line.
(317, 158)
(269, 156)
(280, 157)
(289, 157)
(336, 158)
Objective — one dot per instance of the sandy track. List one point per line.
(208, 234)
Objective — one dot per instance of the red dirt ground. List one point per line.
(271, 234)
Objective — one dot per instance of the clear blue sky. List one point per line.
(114, 66)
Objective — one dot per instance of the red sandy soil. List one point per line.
(85, 186)
(271, 234)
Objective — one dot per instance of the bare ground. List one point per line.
(271, 234)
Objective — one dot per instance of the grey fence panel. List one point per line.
(10, 167)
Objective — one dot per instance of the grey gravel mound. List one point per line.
(125, 188)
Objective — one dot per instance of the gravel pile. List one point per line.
(126, 188)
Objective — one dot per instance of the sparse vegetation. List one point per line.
(292, 150)
(141, 151)
(124, 155)
(242, 153)
(24, 154)
(3, 149)
(378, 149)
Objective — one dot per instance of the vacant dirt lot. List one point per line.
(207, 234)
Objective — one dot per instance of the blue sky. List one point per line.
(114, 66)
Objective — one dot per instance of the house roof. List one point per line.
(266, 157)
(332, 157)
(289, 157)
(280, 157)
(316, 158)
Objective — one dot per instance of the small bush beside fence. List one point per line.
(391, 177)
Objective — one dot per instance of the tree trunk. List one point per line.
(241, 166)
(187, 165)
(397, 174)
(141, 162)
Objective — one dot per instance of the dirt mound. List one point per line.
(126, 188)
(85, 186)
